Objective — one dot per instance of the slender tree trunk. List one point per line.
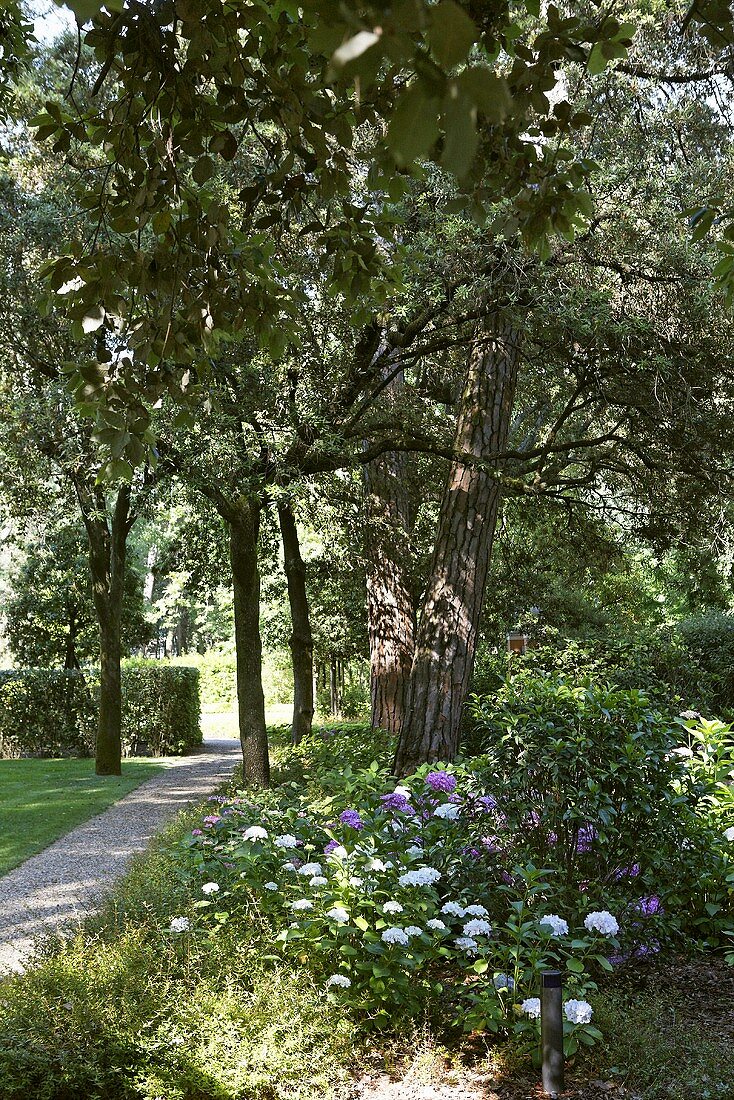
(301, 639)
(446, 636)
(390, 609)
(244, 521)
(107, 552)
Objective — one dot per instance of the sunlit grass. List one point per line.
(41, 800)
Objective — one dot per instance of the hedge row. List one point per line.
(51, 712)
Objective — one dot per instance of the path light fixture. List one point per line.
(517, 642)
(551, 1031)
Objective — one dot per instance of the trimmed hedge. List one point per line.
(51, 712)
(46, 712)
(160, 708)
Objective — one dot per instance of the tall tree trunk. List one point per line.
(390, 609)
(244, 519)
(301, 639)
(107, 552)
(446, 636)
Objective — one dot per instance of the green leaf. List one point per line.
(488, 91)
(460, 146)
(203, 170)
(575, 966)
(414, 125)
(597, 61)
(452, 33)
(361, 923)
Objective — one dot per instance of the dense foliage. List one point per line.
(45, 712)
(48, 712)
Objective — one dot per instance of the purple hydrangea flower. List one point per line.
(586, 836)
(398, 802)
(197, 832)
(212, 820)
(441, 781)
(352, 819)
(487, 803)
(490, 843)
(649, 906)
(331, 846)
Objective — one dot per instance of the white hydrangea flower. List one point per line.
(289, 866)
(422, 876)
(466, 943)
(339, 852)
(338, 914)
(531, 1007)
(318, 880)
(415, 851)
(729, 834)
(413, 930)
(255, 832)
(578, 1012)
(503, 981)
(477, 928)
(286, 841)
(339, 979)
(557, 925)
(405, 791)
(270, 886)
(452, 909)
(356, 882)
(449, 811)
(310, 869)
(475, 911)
(210, 888)
(396, 935)
(392, 907)
(302, 903)
(377, 865)
(436, 925)
(180, 924)
(603, 922)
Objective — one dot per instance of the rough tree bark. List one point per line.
(390, 608)
(446, 636)
(301, 639)
(244, 520)
(107, 552)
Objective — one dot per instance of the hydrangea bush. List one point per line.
(620, 800)
(399, 903)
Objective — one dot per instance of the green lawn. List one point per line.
(40, 800)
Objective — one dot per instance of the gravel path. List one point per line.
(62, 884)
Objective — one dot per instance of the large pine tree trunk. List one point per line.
(301, 640)
(244, 519)
(107, 552)
(390, 610)
(446, 636)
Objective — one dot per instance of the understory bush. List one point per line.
(52, 713)
(659, 662)
(709, 642)
(600, 786)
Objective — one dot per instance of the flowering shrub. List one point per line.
(621, 802)
(397, 904)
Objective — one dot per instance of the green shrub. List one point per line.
(617, 800)
(45, 712)
(51, 713)
(709, 642)
(160, 708)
